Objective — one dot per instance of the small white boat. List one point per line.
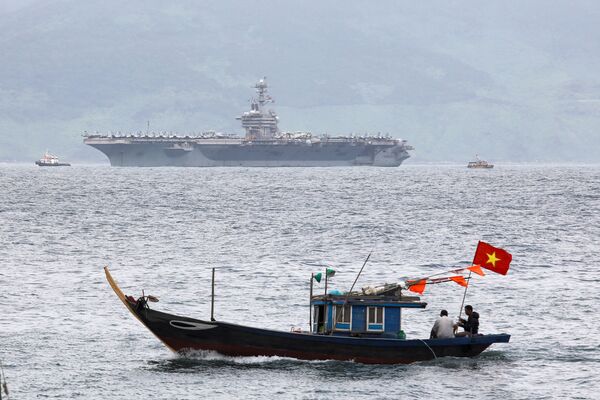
(479, 164)
(49, 160)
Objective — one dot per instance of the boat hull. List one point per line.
(182, 334)
(42, 164)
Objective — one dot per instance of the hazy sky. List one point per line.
(509, 81)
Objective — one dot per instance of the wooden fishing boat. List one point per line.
(358, 327)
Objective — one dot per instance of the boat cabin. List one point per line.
(360, 314)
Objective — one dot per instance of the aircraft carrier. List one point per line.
(264, 145)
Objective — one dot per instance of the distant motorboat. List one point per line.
(49, 160)
(479, 163)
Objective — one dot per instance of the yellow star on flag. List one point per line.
(492, 259)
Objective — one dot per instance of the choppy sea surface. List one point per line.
(64, 334)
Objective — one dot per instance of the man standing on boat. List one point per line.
(443, 328)
(470, 325)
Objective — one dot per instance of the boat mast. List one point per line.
(263, 97)
(212, 297)
(260, 123)
(312, 276)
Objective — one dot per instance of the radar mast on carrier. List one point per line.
(260, 124)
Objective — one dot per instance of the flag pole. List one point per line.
(464, 295)
(468, 280)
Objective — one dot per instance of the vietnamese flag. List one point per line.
(492, 258)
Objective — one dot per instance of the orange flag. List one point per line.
(460, 280)
(418, 287)
(477, 269)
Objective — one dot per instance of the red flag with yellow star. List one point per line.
(492, 258)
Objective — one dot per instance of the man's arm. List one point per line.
(434, 330)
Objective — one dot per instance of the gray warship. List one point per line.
(264, 145)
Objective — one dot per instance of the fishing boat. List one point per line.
(49, 160)
(364, 327)
(479, 163)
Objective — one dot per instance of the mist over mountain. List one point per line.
(511, 82)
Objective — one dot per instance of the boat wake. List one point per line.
(208, 355)
(199, 356)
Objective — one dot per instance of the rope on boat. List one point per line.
(432, 352)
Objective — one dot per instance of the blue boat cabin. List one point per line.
(361, 315)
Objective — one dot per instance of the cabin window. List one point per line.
(319, 319)
(375, 318)
(342, 318)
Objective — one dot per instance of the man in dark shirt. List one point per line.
(471, 324)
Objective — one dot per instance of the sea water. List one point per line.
(65, 335)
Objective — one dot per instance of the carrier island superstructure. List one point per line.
(264, 145)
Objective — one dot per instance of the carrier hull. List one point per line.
(228, 153)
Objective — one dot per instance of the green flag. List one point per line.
(318, 276)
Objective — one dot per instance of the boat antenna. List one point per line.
(359, 272)
(337, 316)
(148, 128)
